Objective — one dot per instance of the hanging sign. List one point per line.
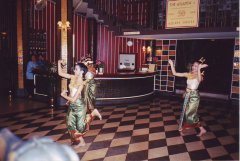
(182, 14)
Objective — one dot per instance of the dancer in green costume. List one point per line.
(189, 117)
(77, 119)
(90, 91)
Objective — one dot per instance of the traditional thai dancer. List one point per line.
(189, 117)
(77, 120)
(89, 63)
(90, 92)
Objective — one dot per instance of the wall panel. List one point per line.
(45, 20)
(109, 47)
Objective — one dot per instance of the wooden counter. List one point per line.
(112, 89)
(124, 87)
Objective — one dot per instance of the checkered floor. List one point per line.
(144, 131)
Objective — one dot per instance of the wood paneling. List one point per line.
(8, 46)
(80, 32)
(45, 20)
(134, 11)
(109, 47)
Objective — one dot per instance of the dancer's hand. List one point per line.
(62, 62)
(64, 93)
(67, 103)
(170, 62)
(202, 66)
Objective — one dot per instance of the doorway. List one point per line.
(219, 56)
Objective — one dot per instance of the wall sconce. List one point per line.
(144, 49)
(147, 54)
(40, 4)
(64, 26)
(147, 50)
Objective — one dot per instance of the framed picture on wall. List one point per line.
(127, 61)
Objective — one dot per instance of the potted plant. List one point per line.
(100, 66)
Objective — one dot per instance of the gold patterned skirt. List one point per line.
(189, 117)
(76, 120)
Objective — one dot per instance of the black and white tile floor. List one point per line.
(144, 131)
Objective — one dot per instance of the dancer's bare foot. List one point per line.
(81, 144)
(96, 113)
(182, 133)
(180, 129)
(202, 131)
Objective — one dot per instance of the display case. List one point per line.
(38, 42)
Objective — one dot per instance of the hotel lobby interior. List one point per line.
(142, 56)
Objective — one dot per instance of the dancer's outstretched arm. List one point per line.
(60, 71)
(174, 71)
(200, 66)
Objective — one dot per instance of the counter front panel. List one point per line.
(124, 88)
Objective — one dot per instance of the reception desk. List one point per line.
(112, 89)
(124, 87)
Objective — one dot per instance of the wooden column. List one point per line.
(70, 35)
(20, 45)
(64, 44)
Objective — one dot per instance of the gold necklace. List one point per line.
(77, 80)
(192, 76)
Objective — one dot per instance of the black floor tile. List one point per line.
(157, 143)
(140, 138)
(99, 145)
(199, 155)
(190, 138)
(211, 143)
(156, 129)
(123, 149)
(123, 134)
(141, 126)
(140, 155)
(170, 134)
(108, 130)
(175, 149)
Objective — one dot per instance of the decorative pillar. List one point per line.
(64, 45)
(70, 36)
(64, 40)
(20, 47)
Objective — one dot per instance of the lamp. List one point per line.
(149, 49)
(144, 49)
(64, 26)
(40, 4)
